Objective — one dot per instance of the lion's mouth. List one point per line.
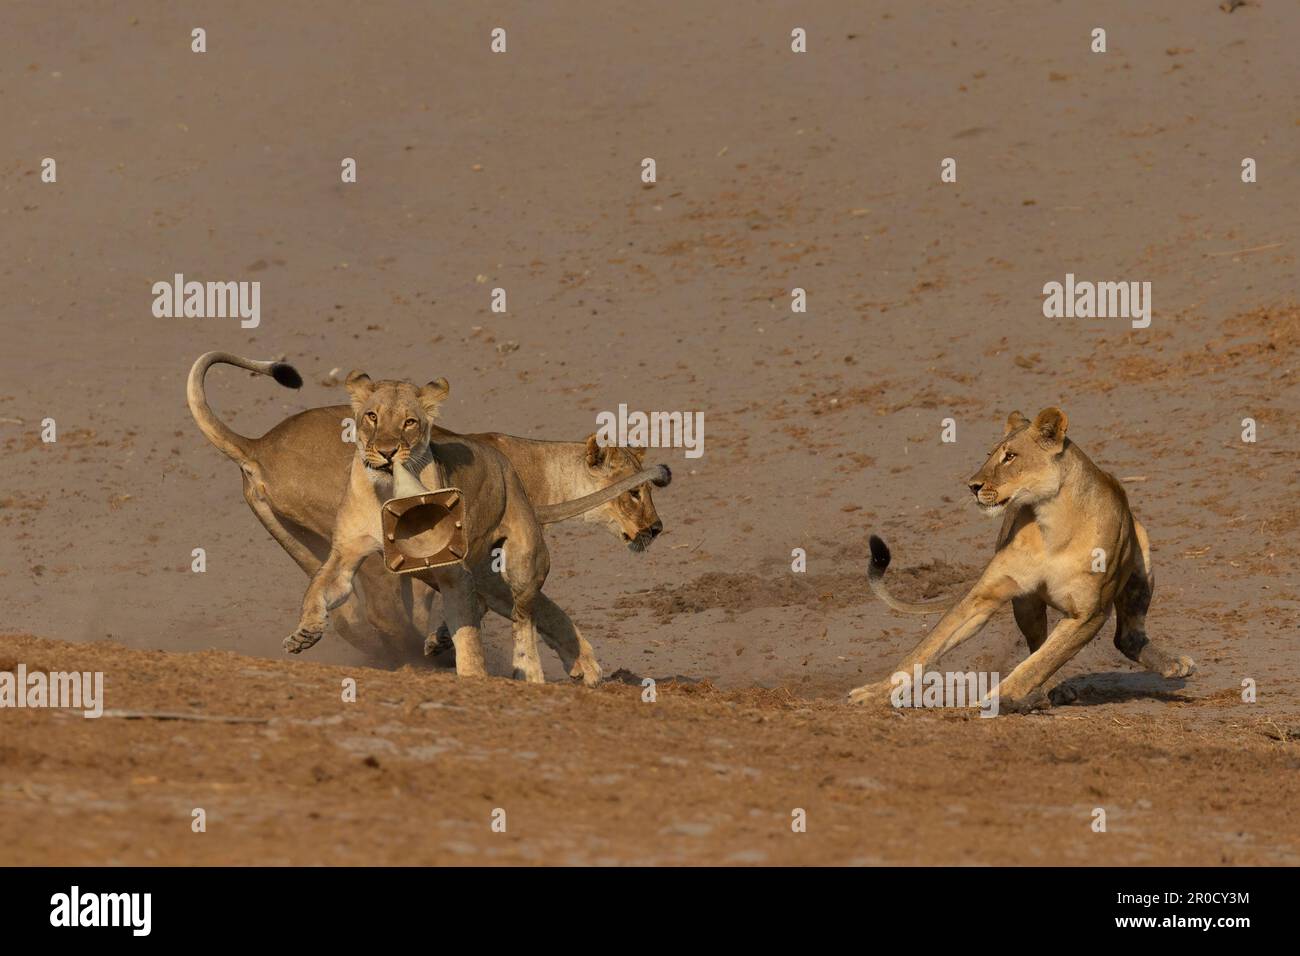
(638, 544)
(992, 507)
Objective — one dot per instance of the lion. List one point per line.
(558, 471)
(1068, 541)
(395, 429)
(296, 474)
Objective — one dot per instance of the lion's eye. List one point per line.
(372, 417)
(1008, 457)
(635, 495)
(410, 423)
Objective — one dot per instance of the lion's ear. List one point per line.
(595, 453)
(359, 386)
(1051, 424)
(1014, 420)
(433, 394)
(638, 453)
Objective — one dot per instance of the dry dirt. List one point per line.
(414, 770)
(776, 171)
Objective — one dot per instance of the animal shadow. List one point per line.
(1113, 687)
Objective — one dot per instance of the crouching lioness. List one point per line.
(1068, 541)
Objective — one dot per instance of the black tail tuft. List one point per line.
(664, 478)
(286, 375)
(879, 555)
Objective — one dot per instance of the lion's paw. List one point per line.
(1180, 666)
(439, 642)
(876, 696)
(1036, 700)
(301, 639)
(587, 671)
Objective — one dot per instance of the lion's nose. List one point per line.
(975, 487)
(388, 454)
(656, 528)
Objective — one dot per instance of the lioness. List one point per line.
(1068, 541)
(295, 475)
(395, 427)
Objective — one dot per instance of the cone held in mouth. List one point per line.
(423, 527)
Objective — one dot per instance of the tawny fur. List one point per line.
(295, 475)
(395, 426)
(1057, 507)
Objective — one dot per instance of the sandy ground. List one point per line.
(775, 170)
(417, 769)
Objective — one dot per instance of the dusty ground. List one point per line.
(413, 772)
(775, 171)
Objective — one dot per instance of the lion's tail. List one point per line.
(233, 445)
(876, 578)
(659, 476)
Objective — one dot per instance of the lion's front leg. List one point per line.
(330, 586)
(872, 695)
(964, 619)
(1022, 689)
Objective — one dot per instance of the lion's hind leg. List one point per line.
(556, 628)
(562, 635)
(559, 631)
(1131, 604)
(524, 579)
(464, 614)
(302, 555)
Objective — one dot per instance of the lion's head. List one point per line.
(632, 514)
(1024, 468)
(393, 419)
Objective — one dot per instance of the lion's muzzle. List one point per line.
(638, 543)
